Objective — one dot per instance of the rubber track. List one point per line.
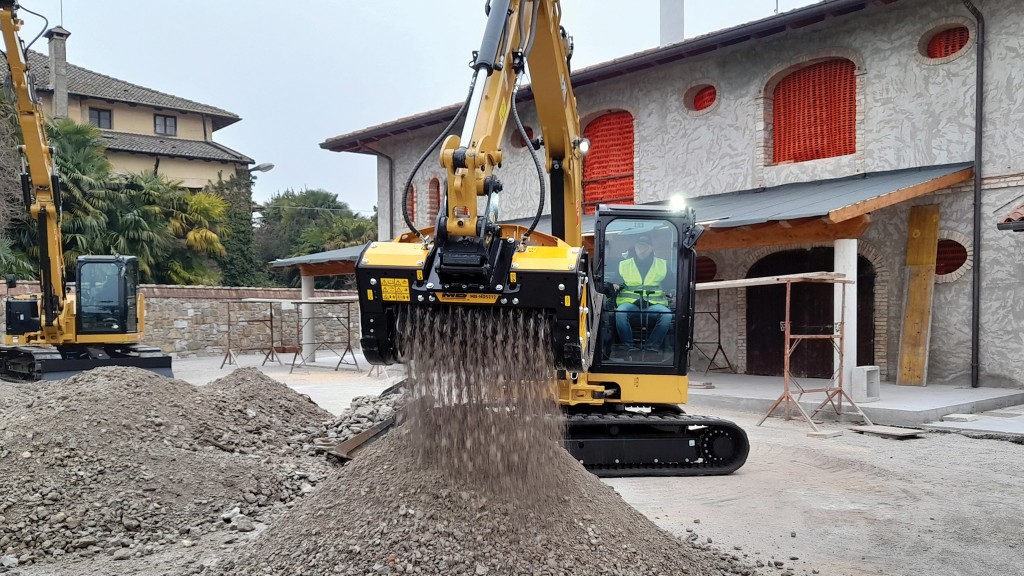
(710, 425)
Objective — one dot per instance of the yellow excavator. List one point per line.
(55, 334)
(621, 332)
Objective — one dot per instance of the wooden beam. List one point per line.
(334, 268)
(827, 277)
(803, 231)
(902, 195)
(915, 332)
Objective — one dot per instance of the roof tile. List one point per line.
(165, 146)
(84, 82)
(1016, 215)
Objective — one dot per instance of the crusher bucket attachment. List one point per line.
(498, 271)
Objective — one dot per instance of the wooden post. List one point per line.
(922, 246)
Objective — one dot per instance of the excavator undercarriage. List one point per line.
(662, 442)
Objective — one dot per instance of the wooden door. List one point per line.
(811, 313)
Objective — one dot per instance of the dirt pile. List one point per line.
(122, 461)
(384, 514)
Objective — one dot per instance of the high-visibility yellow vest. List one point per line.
(648, 287)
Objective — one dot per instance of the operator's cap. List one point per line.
(643, 240)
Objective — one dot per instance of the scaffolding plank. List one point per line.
(922, 244)
(887, 431)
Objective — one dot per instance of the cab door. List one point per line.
(646, 323)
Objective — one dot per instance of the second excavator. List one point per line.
(621, 320)
(58, 333)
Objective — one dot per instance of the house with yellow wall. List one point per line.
(144, 130)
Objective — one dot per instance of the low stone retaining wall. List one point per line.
(192, 321)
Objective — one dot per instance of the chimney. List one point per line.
(671, 21)
(58, 38)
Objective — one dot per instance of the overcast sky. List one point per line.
(303, 71)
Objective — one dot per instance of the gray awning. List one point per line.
(342, 254)
(838, 198)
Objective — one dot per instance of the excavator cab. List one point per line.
(645, 267)
(107, 290)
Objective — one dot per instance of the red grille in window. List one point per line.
(948, 42)
(951, 255)
(704, 98)
(608, 168)
(410, 204)
(706, 269)
(433, 201)
(815, 111)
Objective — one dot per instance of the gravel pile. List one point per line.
(474, 481)
(383, 514)
(364, 413)
(124, 462)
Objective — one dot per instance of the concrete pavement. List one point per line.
(332, 389)
(998, 410)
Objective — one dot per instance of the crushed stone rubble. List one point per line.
(384, 514)
(363, 413)
(116, 470)
(473, 481)
(123, 462)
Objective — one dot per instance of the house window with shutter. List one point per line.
(814, 111)
(165, 125)
(608, 167)
(704, 98)
(101, 118)
(707, 269)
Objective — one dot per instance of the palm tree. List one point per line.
(171, 231)
(14, 261)
(85, 192)
(198, 221)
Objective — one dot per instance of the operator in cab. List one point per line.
(642, 297)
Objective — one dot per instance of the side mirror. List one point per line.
(12, 281)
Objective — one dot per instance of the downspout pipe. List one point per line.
(391, 190)
(979, 101)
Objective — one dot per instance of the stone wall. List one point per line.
(191, 321)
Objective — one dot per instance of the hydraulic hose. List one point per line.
(444, 134)
(533, 154)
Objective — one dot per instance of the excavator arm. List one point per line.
(518, 32)
(39, 179)
(472, 259)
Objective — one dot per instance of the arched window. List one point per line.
(410, 204)
(949, 257)
(704, 98)
(433, 200)
(948, 42)
(814, 112)
(707, 269)
(608, 168)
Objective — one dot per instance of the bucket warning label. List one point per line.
(394, 289)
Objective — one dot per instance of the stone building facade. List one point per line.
(911, 108)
